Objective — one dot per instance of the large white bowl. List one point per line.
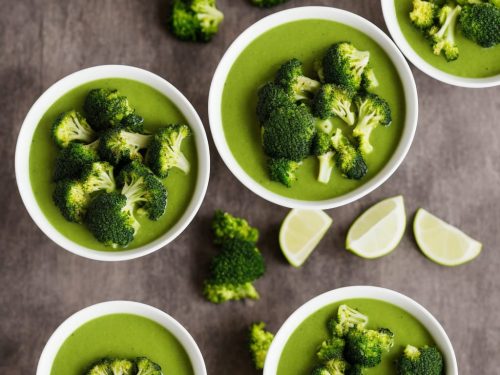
(65, 85)
(295, 14)
(413, 308)
(391, 20)
(76, 320)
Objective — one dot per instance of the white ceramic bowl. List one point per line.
(295, 14)
(65, 85)
(390, 17)
(76, 320)
(419, 312)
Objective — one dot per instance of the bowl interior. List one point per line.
(365, 292)
(78, 79)
(325, 14)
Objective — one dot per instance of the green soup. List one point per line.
(473, 62)
(299, 354)
(306, 40)
(121, 336)
(157, 111)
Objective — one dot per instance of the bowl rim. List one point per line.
(369, 292)
(287, 16)
(78, 319)
(63, 86)
(391, 21)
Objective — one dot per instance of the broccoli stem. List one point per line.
(326, 164)
(306, 85)
(183, 163)
(138, 140)
(325, 126)
(208, 15)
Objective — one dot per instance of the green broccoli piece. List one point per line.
(71, 161)
(267, 3)
(291, 77)
(347, 318)
(98, 176)
(348, 159)
(283, 171)
(481, 24)
(288, 133)
(102, 367)
(425, 360)
(332, 348)
(118, 145)
(226, 227)
(423, 13)
(365, 346)
(495, 3)
(164, 152)
(195, 20)
(336, 366)
(322, 148)
(354, 370)
(320, 370)
(443, 38)
(72, 199)
(270, 97)
(259, 342)
(369, 80)
(219, 293)
(133, 123)
(147, 367)
(71, 127)
(333, 100)
(372, 112)
(122, 367)
(343, 65)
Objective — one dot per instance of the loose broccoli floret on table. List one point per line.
(147, 367)
(425, 360)
(369, 80)
(164, 151)
(195, 20)
(333, 100)
(270, 97)
(372, 112)
(343, 65)
(219, 293)
(226, 227)
(291, 77)
(118, 145)
(283, 171)
(72, 160)
(267, 3)
(443, 38)
(259, 342)
(365, 347)
(101, 368)
(122, 367)
(481, 24)
(423, 13)
(348, 159)
(72, 199)
(333, 348)
(322, 148)
(71, 127)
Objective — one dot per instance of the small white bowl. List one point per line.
(302, 13)
(391, 20)
(370, 292)
(65, 85)
(76, 320)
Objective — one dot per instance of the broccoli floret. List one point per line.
(108, 109)
(195, 20)
(72, 199)
(318, 68)
(336, 366)
(332, 348)
(372, 112)
(348, 159)
(101, 368)
(133, 123)
(322, 148)
(98, 176)
(291, 77)
(423, 13)
(321, 370)
(118, 145)
(369, 80)
(270, 97)
(164, 152)
(259, 342)
(71, 161)
(226, 227)
(333, 100)
(343, 65)
(288, 133)
(365, 346)
(147, 367)
(71, 127)
(354, 370)
(219, 293)
(443, 39)
(122, 367)
(481, 24)
(347, 318)
(267, 3)
(283, 171)
(425, 360)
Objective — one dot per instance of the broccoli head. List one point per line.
(72, 160)
(98, 176)
(102, 367)
(226, 227)
(71, 127)
(219, 293)
(288, 133)
(147, 367)
(133, 123)
(119, 145)
(354, 370)
(322, 148)
(283, 170)
(72, 199)
(423, 13)
(164, 152)
(195, 20)
(347, 318)
(366, 346)
(122, 367)
(267, 3)
(270, 97)
(333, 100)
(372, 112)
(336, 366)
(291, 77)
(320, 370)
(481, 24)
(425, 360)
(369, 80)
(443, 38)
(348, 159)
(259, 342)
(332, 348)
(343, 65)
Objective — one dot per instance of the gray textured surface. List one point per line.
(452, 169)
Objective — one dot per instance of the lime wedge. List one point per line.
(442, 242)
(301, 232)
(378, 230)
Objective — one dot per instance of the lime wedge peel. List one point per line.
(300, 233)
(442, 242)
(378, 230)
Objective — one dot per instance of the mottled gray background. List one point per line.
(452, 169)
